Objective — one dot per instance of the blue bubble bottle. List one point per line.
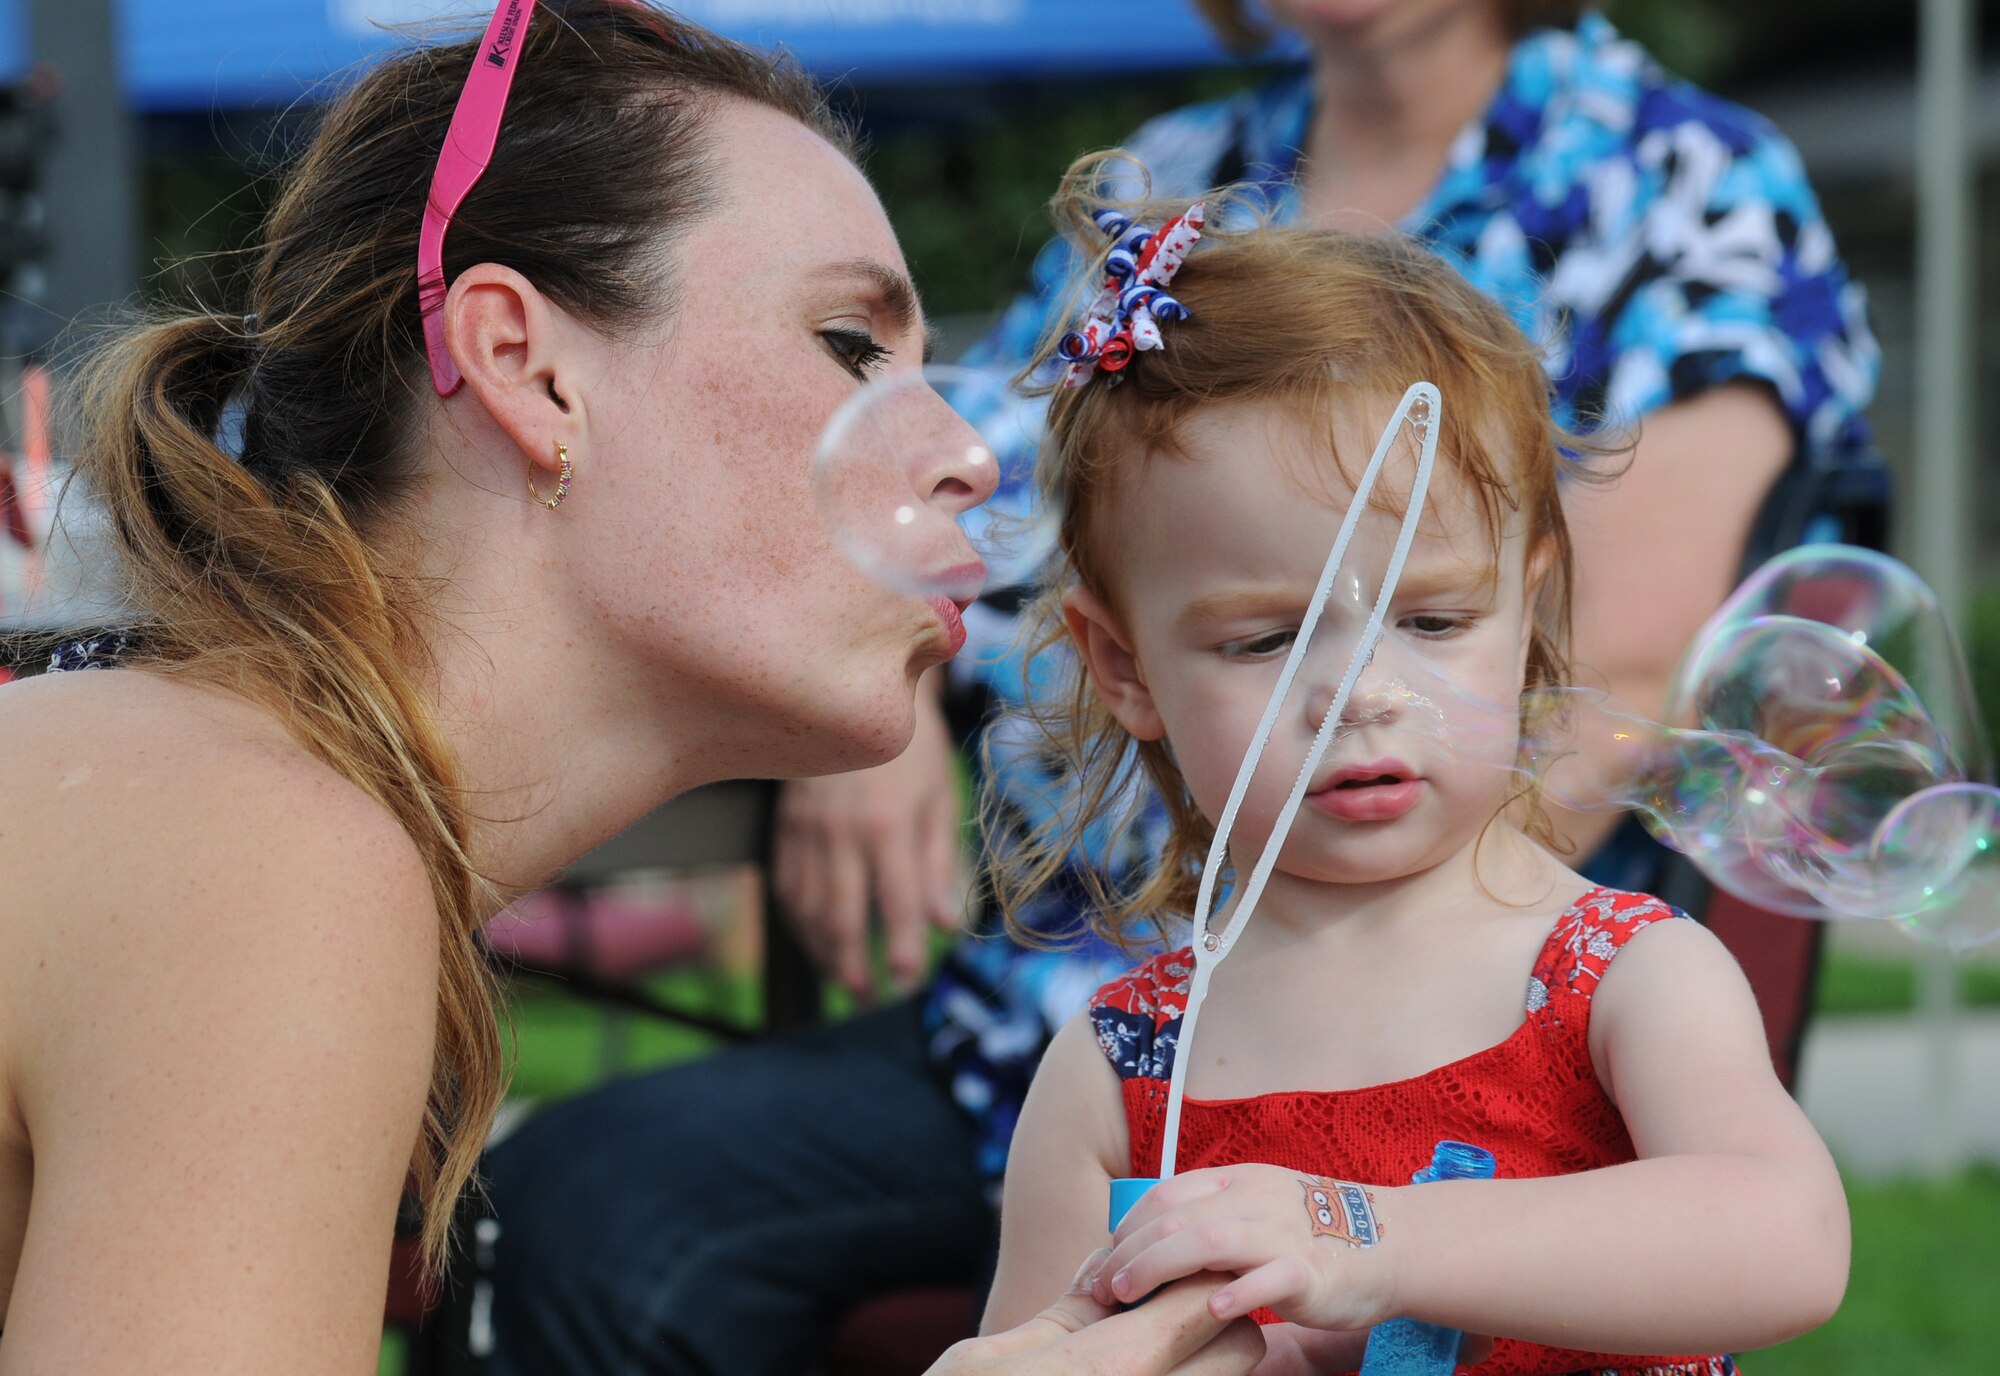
(1410, 1347)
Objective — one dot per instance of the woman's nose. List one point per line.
(958, 470)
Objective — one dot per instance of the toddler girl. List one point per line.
(1419, 967)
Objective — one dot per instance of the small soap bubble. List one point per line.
(1937, 861)
(900, 477)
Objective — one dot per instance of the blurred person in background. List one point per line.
(1664, 248)
(430, 594)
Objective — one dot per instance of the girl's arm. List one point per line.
(221, 1060)
(1070, 1143)
(1730, 1231)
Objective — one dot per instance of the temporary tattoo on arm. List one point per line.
(1341, 1209)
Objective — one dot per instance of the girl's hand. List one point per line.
(1305, 1246)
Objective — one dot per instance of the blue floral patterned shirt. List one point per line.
(1655, 241)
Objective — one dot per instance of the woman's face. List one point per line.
(707, 563)
(1367, 23)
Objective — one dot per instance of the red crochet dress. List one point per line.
(1533, 1101)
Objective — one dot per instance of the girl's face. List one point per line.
(706, 561)
(1216, 559)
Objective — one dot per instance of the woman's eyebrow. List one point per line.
(892, 291)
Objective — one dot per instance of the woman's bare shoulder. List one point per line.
(115, 769)
(218, 993)
(132, 717)
(163, 840)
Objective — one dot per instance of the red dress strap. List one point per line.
(1137, 1016)
(1580, 948)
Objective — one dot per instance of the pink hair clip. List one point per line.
(468, 148)
(1124, 318)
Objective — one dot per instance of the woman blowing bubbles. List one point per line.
(445, 622)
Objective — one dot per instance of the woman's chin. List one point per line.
(872, 733)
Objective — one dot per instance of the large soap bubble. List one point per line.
(1880, 607)
(882, 457)
(1826, 757)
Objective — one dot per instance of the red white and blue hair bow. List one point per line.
(1124, 317)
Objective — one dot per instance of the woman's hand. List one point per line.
(1302, 1245)
(1172, 1334)
(886, 838)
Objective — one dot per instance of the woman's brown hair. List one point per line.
(1245, 32)
(1310, 320)
(282, 570)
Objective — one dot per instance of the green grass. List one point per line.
(1867, 984)
(562, 1045)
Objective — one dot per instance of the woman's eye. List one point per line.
(856, 349)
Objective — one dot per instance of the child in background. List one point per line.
(1419, 967)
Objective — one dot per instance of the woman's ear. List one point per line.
(519, 356)
(1113, 668)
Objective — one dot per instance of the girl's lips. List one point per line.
(1379, 791)
(1366, 802)
(948, 612)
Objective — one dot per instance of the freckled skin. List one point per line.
(715, 564)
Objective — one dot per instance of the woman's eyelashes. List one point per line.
(855, 349)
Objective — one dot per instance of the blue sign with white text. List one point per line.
(207, 54)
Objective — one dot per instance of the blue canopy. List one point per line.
(203, 54)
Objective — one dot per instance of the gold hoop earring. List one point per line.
(562, 480)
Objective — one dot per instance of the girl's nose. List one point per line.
(1377, 694)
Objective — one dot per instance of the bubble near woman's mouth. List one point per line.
(900, 478)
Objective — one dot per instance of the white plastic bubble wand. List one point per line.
(1422, 408)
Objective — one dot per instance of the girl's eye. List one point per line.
(1261, 646)
(1434, 626)
(856, 349)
